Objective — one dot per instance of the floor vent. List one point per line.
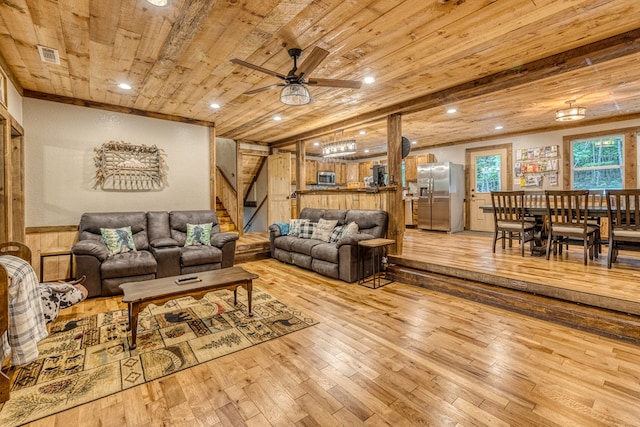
(49, 55)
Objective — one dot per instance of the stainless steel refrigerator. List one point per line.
(441, 202)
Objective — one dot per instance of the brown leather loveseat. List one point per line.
(160, 251)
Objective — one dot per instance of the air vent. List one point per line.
(49, 55)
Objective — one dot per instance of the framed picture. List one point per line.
(3, 88)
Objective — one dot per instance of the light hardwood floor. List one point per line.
(398, 355)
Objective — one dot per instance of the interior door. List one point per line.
(488, 172)
(279, 187)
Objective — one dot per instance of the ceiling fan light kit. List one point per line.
(339, 148)
(294, 89)
(571, 114)
(295, 94)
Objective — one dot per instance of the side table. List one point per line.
(56, 253)
(377, 248)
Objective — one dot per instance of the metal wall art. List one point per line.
(126, 167)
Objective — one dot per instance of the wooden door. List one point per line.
(487, 172)
(279, 187)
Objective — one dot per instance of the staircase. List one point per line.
(226, 224)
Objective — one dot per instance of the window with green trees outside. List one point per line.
(597, 163)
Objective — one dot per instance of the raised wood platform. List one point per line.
(561, 289)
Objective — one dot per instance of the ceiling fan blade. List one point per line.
(251, 92)
(314, 59)
(353, 84)
(257, 68)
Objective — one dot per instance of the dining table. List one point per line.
(539, 212)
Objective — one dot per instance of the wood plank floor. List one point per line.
(400, 355)
(469, 255)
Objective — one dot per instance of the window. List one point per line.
(488, 173)
(597, 163)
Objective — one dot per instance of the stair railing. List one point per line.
(227, 195)
(253, 217)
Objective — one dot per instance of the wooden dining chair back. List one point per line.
(509, 219)
(623, 212)
(567, 215)
(17, 249)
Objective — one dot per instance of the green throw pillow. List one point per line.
(118, 240)
(198, 234)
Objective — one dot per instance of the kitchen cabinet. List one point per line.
(352, 173)
(311, 171)
(341, 173)
(364, 170)
(410, 169)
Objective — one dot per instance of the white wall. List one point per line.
(14, 103)
(59, 171)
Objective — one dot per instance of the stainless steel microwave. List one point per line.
(326, 178)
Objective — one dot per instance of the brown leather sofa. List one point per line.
(338, 260)
(159, 239)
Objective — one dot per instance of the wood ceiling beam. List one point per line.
(592, 54)
(114, 108)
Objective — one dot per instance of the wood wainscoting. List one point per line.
(51, 239)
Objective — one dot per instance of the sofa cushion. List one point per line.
(323, 229)
(128, 264)
(325, 251)
(304, 246)
(118, 240)
(198, 234)
(284, 242)
(196, 255)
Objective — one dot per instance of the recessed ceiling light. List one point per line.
(499, 127)
(369, 79)
(214, 106)
(363, 132)
(315, 144)
(277, 118)
(366, 151)
(124, 86)
(414, 142)
(160, 3)
(451, 110)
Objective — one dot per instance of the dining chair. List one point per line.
(567, 213)
(623, 212)
(509, 219)
(596, 201)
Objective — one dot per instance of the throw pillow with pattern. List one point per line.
(294, 226)
(336, 233)
(118, 240)
(349, 229)
(306, 230)
(198, 234)
(323, 229)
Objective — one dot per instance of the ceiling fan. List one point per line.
(294, 90)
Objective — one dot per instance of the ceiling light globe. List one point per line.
(295, 94)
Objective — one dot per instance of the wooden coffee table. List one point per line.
(138, 295)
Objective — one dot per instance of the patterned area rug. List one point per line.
(89, 358)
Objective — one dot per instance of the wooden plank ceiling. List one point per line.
(499, 62)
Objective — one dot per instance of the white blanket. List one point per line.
(27, 324)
